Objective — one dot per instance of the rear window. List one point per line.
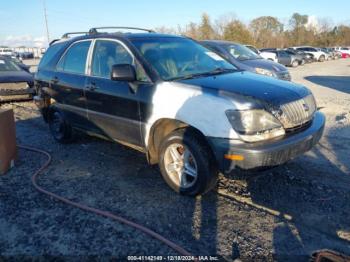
(49, 54)
(74, 60)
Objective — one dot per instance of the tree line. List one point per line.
(267, 31)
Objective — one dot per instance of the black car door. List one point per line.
(113, 106)
(68, 83)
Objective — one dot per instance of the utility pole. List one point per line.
(47, 27)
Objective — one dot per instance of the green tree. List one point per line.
(266, 31)
(205, 29)
(297, 20)
(343, 35)
(236, 31)
(299, 32)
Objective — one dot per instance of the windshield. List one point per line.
(7, 65)
(241, 52)
(176, 58)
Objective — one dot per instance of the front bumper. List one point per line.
(268, 153)
(16, 94)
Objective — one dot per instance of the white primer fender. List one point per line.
(204, 111)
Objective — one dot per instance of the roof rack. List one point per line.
(53, 41)
(74, 33)
(94, 29)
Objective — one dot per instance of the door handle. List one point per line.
(92, 86)
(54, 80)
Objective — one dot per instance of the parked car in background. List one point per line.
(337, 54)
(328, 55)
(287, 58)
(244, 58)
(307, 57)
(6, 51)
(15, 83)
(182, 105)
(345, 51)
(26, 55)
(17, 62)
(319, 55)
(300, 57)
(332, 55)
(266, 55)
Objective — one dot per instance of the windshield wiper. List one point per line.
(216, 71)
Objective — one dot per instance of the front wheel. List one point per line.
(322, 58)
(186, 163)
(295, 63)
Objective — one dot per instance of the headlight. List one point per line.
(254, 125)
(266, 72)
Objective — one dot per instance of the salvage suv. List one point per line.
(185, 107)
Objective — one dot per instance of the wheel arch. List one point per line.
(163, 127)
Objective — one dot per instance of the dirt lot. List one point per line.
(313, 190)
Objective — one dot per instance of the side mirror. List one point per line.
(123, 72)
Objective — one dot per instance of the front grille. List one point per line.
(298, 113)
(14, 88)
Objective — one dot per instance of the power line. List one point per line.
(47, 27)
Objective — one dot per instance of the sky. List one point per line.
(22, 21)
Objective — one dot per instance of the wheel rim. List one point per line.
(57, 126)
(180, 165)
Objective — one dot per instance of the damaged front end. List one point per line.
(15, 91)
(271, 133)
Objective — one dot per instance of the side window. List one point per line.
(282, 54)
(108, 53)
(74, 60)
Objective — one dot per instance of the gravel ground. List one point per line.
(313, 190)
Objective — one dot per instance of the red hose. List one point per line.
(147, 231)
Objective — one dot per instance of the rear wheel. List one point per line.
(186, 163)
(322, 58)
(60, 129)
(295, 63)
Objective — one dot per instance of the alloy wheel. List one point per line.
(180, 165)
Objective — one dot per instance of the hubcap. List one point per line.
(180, 165)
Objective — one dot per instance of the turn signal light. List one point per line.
(234, 157)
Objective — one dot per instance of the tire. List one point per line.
(295, 63)
(200, 163)
(322, 58)
(302, 62)
(60, 129)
